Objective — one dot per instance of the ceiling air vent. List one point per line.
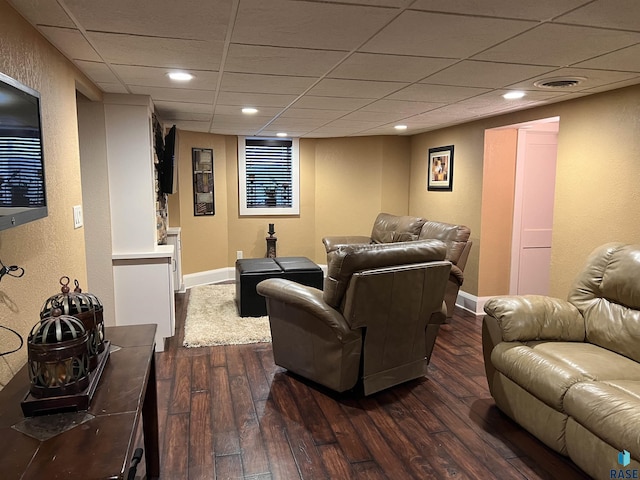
(564, 82)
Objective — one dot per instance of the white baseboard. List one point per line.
(471, 303)
(466, 301)
(216, 276)
(210, 276)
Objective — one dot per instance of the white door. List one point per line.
(533, 210)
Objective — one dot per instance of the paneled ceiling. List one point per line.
(324, 68)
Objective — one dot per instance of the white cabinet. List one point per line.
(174, 238)
(143, 274)
(144, 291)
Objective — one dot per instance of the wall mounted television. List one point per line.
(22, 183)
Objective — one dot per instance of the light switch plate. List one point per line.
(77, 216)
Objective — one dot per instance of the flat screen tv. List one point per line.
(22, 183)
(167, 174)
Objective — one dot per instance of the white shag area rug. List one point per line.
(212, 319)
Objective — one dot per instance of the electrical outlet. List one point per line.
(77, 216)
(239, 254)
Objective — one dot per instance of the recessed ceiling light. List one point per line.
(281, 134)
(400, 127)
(249, 110)
(513, 95)
(180, 76)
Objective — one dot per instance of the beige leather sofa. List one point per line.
(389, 228)
(569, 371)
(369, 325)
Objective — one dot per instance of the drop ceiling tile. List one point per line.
(392, 68)
(245, 82)
(436, 93)
(183, 115)
(157, 77)
(352, 125)
(177, 108)
(289, 23)
(255, 99)
(280, 61)
(236, 110)
(97, 71)
(40, 12)
(187, 19)
(269, 132)
(624, 60)
(376, 3)
(538, 10)
(439, 35)
(158, 52)
(401, 106)
(613, 86)
(332, 103)
(112, 87)
(333, 87)
(559, 45)
(621, 14)
(174, 94)
(470, 73)
(313, 113)
(242, 120)
(71, 43)
(380, 117)
(192, 126)
(299, 123)
(592, 79)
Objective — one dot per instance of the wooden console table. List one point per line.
(103, 446)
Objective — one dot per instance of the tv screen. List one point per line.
(22, 186)
(167, 166)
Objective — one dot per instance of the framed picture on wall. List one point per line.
(440, 169)
(203, 193)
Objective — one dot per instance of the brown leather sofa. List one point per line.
(389, 228)
(369, 323)
(569, 371)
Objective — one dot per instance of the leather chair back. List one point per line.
(394, 228)
(607, 293)
(456, 237)
(346, 260)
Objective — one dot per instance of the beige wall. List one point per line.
(48, 248)
(596, 199)
(344, 184)
(463, 204)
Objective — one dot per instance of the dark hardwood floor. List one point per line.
(229, 412)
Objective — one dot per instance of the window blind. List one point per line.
(269, 173)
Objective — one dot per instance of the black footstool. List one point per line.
(251, 271)
(301, 270)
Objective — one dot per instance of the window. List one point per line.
(268, 170)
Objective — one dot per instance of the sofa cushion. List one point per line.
(548, 369)
(455, 236)
(610, 410)
(396, 228)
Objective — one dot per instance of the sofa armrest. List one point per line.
(335, 242)
(536, 317)
(305, 298)
(456, 275)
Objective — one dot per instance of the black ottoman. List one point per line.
(301, 270)
(251, 271)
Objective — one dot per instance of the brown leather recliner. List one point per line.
(369, 323)
(389, 228)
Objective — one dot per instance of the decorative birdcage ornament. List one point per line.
(96, 304)
(58, 356)
(83, 307)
